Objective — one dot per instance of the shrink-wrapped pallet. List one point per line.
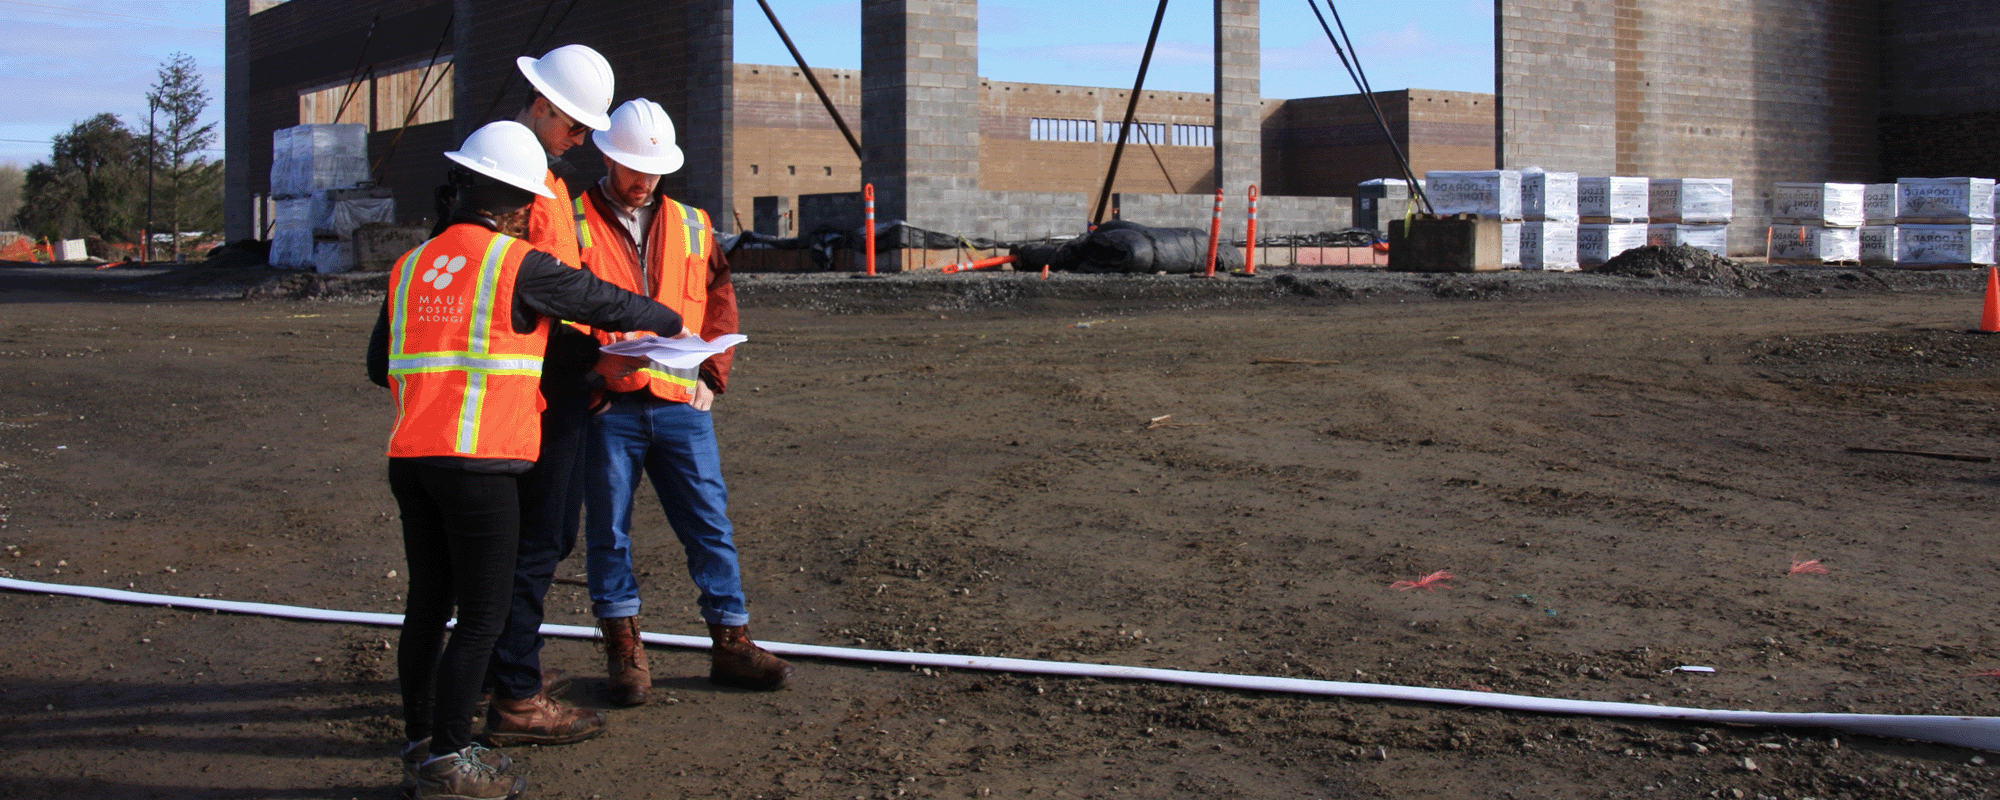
(1931, 245)
(1510, 245)
(1814, 244)
(1612, 199)
(1691, 201)
(1549, 246)
(1548, 196)
(1944, 201)
(1878, 204)
(1598, 242)
(1713, 238)
(1878, 245)
(1486, 194)
(1834, 205)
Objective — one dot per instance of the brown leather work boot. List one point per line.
(625, 660)
(736, 661)
(554, 683)
(540, 720)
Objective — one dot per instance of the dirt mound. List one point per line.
(1681, 262)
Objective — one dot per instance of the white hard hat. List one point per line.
(641, 138)
(574, 77)
(508, 152)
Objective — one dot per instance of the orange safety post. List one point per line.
(1250, 236)
(980, 264)
(868, 214)
(1989, 320)
(1214, 233)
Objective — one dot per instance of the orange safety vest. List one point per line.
(675, 274)
(551, 229)
(466, 384)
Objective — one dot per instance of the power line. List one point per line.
(89, 11)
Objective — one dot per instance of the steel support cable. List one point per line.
(1361, 82)
(1961, 731)
(814, 80)
(1131, 108)
(429, 84)
(360, 60)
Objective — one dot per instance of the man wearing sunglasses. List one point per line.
(572, 93)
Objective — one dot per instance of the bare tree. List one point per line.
(177, 138)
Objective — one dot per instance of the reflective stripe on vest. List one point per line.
(466, 383)
(681, 246)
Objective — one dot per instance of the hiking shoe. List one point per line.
(464, 776)
(415, 753)
(736, 661)
(625, 660)
(540, 720)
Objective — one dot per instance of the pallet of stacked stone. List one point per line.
(1945, 201)
(1510, 245)
(1482, 194)
(1598, 242)
(1548, 196)
(293, 220)
(1611, 199)
(1923, 246)
(1878, 244)
(1549, 246)
(1713, 238)
(1691, 201)
(1878, 204)
(346, 211)
(1828, 205)
(1813, 244)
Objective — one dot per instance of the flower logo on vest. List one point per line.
(439, 275)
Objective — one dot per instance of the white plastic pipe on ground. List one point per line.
(1976, 732)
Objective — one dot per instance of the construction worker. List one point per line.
(460, 341)
(657, 420)
(572, 91)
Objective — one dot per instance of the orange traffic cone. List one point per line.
(1989, 322)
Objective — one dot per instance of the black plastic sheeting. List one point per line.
(1129, 247)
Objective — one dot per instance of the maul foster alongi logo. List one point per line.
(441, 308)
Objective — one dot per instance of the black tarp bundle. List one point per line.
(1129, 247)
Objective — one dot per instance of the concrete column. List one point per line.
(1239, 117)
(920, 109)
(706, 137)
(237, 215)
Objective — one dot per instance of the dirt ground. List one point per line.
(1222, 476)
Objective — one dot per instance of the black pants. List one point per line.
(460, 530)
(551, 512)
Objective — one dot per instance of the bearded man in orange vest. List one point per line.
(461, 342)
(657, 421)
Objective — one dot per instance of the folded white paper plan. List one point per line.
(675, 353)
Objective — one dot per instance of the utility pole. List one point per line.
(152, 157)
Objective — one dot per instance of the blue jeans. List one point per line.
(675, 445)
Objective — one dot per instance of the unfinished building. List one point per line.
(1758, 91)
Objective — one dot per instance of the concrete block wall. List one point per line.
(1239, 111)
(1324, 146)
(920, 108)
(1759, 91)
(1940, 114)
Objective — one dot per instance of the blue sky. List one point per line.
(67, 60)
